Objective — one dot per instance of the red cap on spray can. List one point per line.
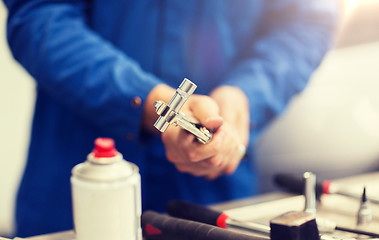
(104, 148)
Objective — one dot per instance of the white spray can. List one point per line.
(106, 195)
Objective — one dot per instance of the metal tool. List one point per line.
(194, 212)
(364, 215)
(310, 192)
(170, 113)
(158, 226)
(326, 225)
(294, 183)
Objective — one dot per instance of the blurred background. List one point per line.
(332, 128)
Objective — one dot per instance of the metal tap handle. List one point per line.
(170, 113)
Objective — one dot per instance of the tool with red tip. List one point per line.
(202, 214)
(157, 226)
(295, 184)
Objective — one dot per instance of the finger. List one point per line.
(227, 163)
(213, 176)
(226, 159)
(231, 167)
(197, 152)
(234, 108)
(195, 169)
(176, 143)
(238, 154)
(228, 169)
(206, 110)
(230, 157)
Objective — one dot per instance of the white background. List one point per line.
(332, 128)
(16, 106)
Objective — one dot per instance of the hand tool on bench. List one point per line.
(156, 226)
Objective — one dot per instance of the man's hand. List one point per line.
(234, 108)
(222, 154)
(182, 148)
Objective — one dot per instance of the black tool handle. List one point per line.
(157, 226)
(195, 212)
(295, 183)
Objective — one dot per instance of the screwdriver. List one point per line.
(158, 226)
(364, 215)
(295, 184)
(194, 212)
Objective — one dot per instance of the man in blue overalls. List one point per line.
(100, 65)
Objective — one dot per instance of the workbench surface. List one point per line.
(261, 209)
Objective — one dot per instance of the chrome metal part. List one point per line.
(170, 113)
(310, 192)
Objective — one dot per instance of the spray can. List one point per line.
(106, 195)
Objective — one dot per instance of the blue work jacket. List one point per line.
(94, 60)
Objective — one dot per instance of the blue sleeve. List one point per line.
(294, 37)
(75, 66)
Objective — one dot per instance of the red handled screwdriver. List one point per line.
(156, 226)
(198, 213)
